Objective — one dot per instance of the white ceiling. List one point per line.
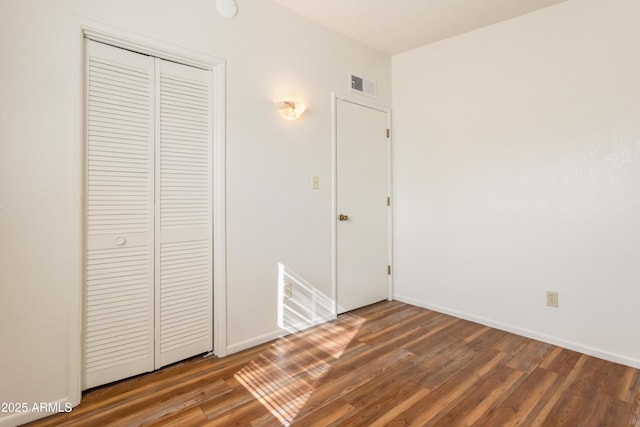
(396, 26)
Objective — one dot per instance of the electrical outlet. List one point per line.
(552, 299)
(288, 290)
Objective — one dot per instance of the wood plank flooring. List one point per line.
(386, 364)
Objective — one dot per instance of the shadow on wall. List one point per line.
(300, 305)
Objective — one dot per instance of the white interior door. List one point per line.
(119, 296)
(362, 230)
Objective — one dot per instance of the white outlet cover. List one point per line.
(227, 8)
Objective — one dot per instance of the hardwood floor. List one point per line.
(386, 364)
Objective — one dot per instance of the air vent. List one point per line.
(363, 86)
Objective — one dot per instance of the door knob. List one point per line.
(343, 217)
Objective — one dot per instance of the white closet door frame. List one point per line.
(84, 28)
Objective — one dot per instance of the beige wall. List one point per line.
(517, 170)
(273, 214)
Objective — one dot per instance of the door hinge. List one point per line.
(388, 133)
(388, 201)
(389, 270)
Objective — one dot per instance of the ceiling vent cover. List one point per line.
(363, 86)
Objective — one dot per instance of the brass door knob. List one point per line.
(343, 217)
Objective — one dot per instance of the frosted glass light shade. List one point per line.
(290, 110)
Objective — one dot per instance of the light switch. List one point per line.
(315, 183)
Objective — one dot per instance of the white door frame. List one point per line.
(84, 28)
(334, 210)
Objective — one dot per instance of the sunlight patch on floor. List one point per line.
(283, 381)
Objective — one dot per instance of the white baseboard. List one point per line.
(243, 345)
(252, 342)
(581, 348)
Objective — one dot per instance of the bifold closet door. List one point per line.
(148, 296)
(184, 236)
(119, 293)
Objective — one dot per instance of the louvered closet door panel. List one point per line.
(119, 304)
(184, 216)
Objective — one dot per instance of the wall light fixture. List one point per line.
(290, 110)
